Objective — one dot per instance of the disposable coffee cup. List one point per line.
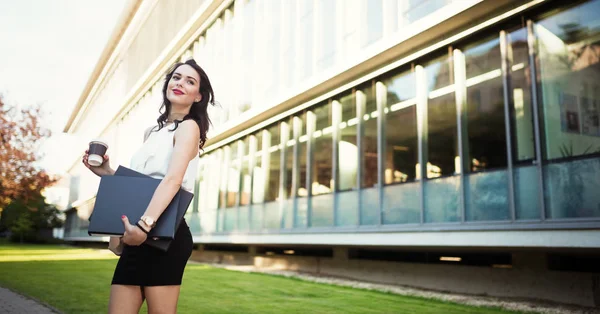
(96, 152)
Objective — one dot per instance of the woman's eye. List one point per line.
(191, 82)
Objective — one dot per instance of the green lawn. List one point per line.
(76, 280)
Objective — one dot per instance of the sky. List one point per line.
(48, 50)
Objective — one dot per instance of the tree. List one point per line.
(20, 137)
(25, 219)
(23, 209)
(22, 227)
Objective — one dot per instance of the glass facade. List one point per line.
(458, 137)
(500, 127)
(568, 80)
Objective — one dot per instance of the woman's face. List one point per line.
(184, 86)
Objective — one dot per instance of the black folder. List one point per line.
(185, 199)
(128, 193)
(130, 196)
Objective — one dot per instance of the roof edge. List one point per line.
(123, 22)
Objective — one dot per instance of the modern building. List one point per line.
(443, 144)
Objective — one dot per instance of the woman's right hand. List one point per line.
(103, 170)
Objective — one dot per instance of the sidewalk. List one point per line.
(13, 303)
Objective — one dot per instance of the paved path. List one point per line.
(13, 303)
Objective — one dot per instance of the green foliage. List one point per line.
(22, 226)
(25, 220)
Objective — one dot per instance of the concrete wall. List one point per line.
(528, 278)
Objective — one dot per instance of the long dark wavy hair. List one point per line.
(198, 111)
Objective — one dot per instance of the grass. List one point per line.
(76, 280)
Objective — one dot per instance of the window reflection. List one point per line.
(322, 166)
(569, 70)
(442, 140)
(401, 150)
(369, 139)
(233, 176)
(258, 175)
(289, 158)
(222, 160)
(272, 141)
(348, 151)
(485, 106)
(302, 151)
(213, 180)
(201, 194)
(246, 179)
(521, 111)
(569, 64)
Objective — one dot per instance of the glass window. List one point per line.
(273, 164)
(246, 179)
(369, 139)
(401, 150)
(569, 46)
(348, 151)
(266, 51)
(200, 188)
(521, 111)
(233, 177)
(306, 25)
(327, 34)
(223, 157)
(486, 193)
(374, 21)
(569, 70)
(418, 9)
(288, 43)
(248, 30)
(213, 185)
(258, 186)
(485, 106)
(302, 152)
(442, 139)
(322, 166)
(349, 36)
(289, 158)
(227, 66)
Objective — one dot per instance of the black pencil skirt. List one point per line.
(148, 266)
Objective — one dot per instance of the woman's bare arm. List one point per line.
(187, 137)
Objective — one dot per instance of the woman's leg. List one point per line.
(162, 299)
(125, 299)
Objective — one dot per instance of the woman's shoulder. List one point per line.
(188, 133)
(188, 127)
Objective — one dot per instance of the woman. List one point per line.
(170, 152)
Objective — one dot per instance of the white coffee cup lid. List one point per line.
(99, 140)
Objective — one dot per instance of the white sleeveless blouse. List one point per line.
(154, 156)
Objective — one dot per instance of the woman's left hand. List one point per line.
(133, 235)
